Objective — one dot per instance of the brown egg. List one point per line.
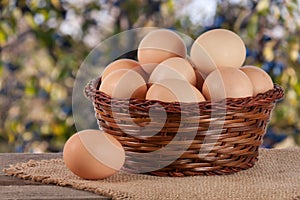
(93, 154)
(218, 48)
(174, 90)
(123, 64)
(261, 81)
(174, 68)
(159, 45)
(227, 82)
(124, 84)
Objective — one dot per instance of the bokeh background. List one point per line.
(44, 42)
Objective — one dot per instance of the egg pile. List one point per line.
(164, 71)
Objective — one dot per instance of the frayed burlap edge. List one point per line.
(17, 170)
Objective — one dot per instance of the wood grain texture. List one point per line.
(44, 192)
(15, 188)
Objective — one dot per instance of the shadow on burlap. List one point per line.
(275, 176)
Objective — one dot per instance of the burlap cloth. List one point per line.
(275, 176)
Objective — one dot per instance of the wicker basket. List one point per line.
(225, 149)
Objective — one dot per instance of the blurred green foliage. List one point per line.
(43, 42)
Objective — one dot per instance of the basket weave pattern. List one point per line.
(232, 145)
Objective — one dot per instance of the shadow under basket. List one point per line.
(185, 139)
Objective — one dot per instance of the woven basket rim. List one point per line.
(273, 95)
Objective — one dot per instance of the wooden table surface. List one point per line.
(15, 188)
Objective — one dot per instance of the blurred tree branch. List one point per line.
(18, 39)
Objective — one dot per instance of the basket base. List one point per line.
(204, 172)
